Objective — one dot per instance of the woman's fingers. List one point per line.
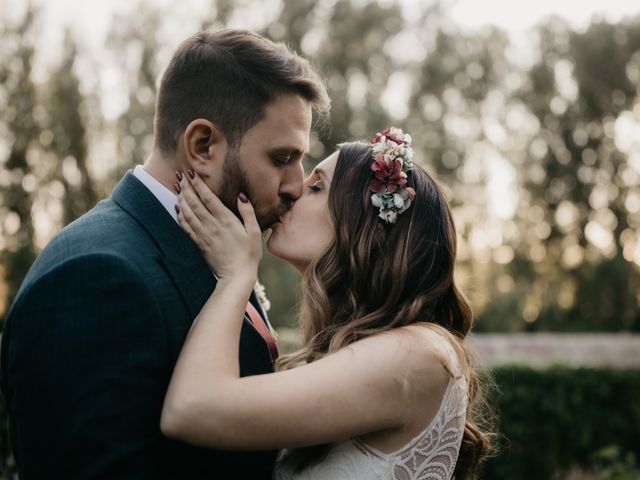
(251, 227)
(188, 220)
(185, 225)
(227, 244)
(248, 215)
(207, 197)
(189, 195)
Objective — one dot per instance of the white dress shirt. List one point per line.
(166, 197)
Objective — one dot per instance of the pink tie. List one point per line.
(263, 330)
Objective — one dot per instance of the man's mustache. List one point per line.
(274, 215)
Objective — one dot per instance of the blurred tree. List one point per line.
(577, 182)
(19, 129)
(457, 110)
(68, 137)
(136, 37)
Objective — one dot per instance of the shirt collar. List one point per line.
(165, 196)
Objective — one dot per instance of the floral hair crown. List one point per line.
(392, 159)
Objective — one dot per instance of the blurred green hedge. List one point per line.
(557, 419)
(551, 420)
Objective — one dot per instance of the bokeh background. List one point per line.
(529, 114)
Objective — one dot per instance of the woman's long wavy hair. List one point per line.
(377, 276)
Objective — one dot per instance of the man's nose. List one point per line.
(292, 185)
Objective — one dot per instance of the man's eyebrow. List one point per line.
(286, 150)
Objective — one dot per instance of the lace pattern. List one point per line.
(431, 455)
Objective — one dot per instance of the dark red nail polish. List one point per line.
(176, 187)
(191, 173)
(177, 208)
(243, 198)
(179, 176)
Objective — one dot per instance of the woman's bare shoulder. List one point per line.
(418, 353)
(414, 362)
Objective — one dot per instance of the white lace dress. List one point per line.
(431, 455)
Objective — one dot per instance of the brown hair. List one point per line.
(228, 77)
(377, 276)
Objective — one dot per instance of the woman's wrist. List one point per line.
(241, 279)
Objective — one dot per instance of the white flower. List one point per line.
(378, 148)
(407, 204)
(388, 216)
(376, 200)
(407, 153)
(262, 296)
(398, 201)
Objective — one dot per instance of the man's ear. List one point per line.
(204, 146)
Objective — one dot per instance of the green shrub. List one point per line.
(558, 418)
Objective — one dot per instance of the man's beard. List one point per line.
(234, 181)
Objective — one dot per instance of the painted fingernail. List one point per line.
(176, 187)
(191, 173)
(177, 208)
(243, 198)
(179, 175)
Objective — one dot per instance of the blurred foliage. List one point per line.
(19, 127)
(560, 419)
(539, 150)
(611, 463)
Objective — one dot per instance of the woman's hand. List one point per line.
(230, 247)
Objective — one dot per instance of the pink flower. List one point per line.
(379, 166)
(387, 175)
(397, 179)
(387, 133)
(393, 138)
(376, 186)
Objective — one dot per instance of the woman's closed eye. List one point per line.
(315, 187)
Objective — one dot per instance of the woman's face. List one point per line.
(305, 231)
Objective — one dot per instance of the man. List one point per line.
(95, 330)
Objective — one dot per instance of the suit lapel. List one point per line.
(195, 286)
(179, 255)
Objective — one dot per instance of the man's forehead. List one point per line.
(287, 139)
(285, 125)
(289, 115)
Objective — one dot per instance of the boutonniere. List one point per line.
(262, 296)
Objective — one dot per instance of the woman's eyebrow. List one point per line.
(321, 173)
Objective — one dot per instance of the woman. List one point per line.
(383, 386)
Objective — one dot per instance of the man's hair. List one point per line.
(228, 77)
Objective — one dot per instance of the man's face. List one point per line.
(267, 165)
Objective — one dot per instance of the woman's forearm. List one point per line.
(212, 345)
(210, 354)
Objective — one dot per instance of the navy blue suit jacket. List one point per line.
(91, 340)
